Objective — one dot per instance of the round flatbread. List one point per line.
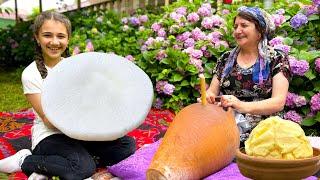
(96, 96)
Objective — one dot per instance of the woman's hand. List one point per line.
(210, 96)
(231, 101)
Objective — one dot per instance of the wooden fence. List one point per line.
(125, 6)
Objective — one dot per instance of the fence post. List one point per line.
(79, 4)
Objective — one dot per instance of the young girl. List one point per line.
(53, 153)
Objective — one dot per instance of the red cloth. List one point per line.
(15, 132)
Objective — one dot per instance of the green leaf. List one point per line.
(288, 41)
(297, 81)
(316, 86)
(313, 17)
(308, 122)
(309, 74)
(165, 61)
(317, 117)
(192, 69)
(184, 83)
(177, 77)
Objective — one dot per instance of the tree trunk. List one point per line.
(79, 4)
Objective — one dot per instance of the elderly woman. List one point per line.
(253, 78)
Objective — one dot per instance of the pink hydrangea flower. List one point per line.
(197, 34)
(317, 65)
(293, 116)
(298, 67)
(294, 100)
(130, 57)
(89, 47)
(193, 17)
(197, 63)
(181, 10)
(76, 51)
(156, 27)
(276, 41)
(315, 102)
(161, 54)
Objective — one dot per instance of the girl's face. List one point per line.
(246, 33)
(53, 39)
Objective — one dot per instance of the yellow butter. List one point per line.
(276, 138)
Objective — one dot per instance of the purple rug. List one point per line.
(135, 166)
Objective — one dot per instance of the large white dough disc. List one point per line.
(96, 96)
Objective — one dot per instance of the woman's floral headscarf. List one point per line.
(261, 67)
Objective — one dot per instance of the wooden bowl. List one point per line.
(261, 168)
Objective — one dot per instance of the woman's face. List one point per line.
(53, 39)
(246, 33)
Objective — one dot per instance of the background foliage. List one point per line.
(174, 44)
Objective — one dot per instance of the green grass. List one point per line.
(11, 93)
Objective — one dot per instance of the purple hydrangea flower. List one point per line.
(278, 19)
(276, 41)
(310, 9)
(225, 12)
(315, 102)
(298, 67)
(206, 54)
(164, 87)
(221, 43)
(184, 36)
(197, 34)
(149, 41)
(196, 53)
(143, 18)
(176, 17)
(217, 20)
(316, 2)
(207, 23)
(294, 100)
(298, 20)
(160, 85)
(76, 50)
(156, 27)
(214, 36)
(130, 57)
(168, 89)
(193, 17)
(197, 63)
(293, 116)
(89, 47)
(285, 48)
(124, 20)
(204, 11)
(158, 103)
(181, 10)
(135, 21)
(317, 65)
(162, 32)
(189, 42)
(161, 54)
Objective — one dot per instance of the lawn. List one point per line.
(11, 94)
